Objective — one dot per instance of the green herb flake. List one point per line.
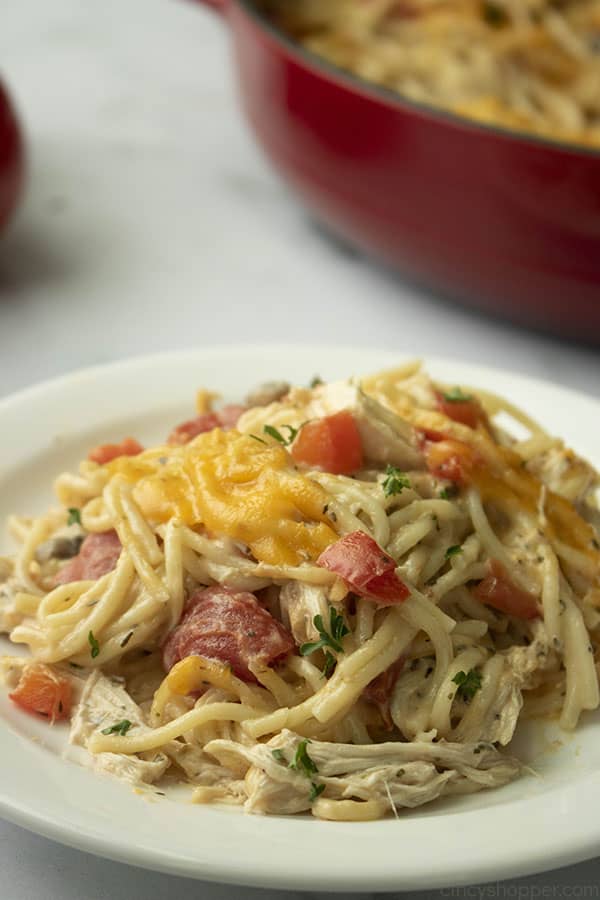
(453, 551)
(457, 395)
(315, 791)
(255, 437)
(121, 728)
(316, 381)
(94, 645)
(278, 436)
(449, 492)
(468, 683)
(278, 754)
(330, 664)
(394, 482)
(337, 630)
(302, 762)
(74, 517)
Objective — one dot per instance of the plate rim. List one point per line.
(217, 350)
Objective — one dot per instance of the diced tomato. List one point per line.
(41, 690)
(105, 453)
(468, 412)
(99, 554)
(364, 566)
(227, 417)
(187, 431)
(425, 436)
(498, 591)
(332, 444)
(229, 627)
(446, 457)
(379, 691)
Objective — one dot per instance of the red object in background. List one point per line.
(505, 222)
(12, 164)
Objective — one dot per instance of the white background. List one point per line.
(152, 222)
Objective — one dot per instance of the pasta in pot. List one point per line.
(529, 65)
(341, 600)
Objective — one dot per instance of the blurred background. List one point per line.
(151, 220)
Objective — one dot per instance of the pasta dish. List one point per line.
(338, 599)
(530, 65)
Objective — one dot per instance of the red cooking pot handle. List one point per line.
(218, 5)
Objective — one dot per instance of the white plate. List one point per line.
(533, 824)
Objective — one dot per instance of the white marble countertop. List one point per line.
(152, 222)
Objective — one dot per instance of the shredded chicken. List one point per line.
(300, 603)
(523, 670)
(104, 703)
(385, 436)
(409, 774)
(9, 616)
(565, 473)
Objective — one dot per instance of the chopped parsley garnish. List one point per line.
(256, 438)
(278, 754)
(394, 482)
(493, 14)
(456, 395)
(94, 645)
(316, 381)
(453, 551)
(315, 791)
(338, 629)
(449, 492)
(330, 664)
(302, 762)
(74, 517)
(468, 683)
(120, 728)
(278, 436)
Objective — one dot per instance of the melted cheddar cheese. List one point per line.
(496, 471)
(236, 486)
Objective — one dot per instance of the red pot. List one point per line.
(504, 221)
(12, 166)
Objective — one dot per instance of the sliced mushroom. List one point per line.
(266, 393)
(63, 545)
